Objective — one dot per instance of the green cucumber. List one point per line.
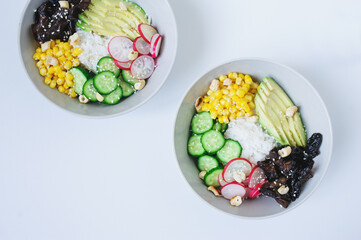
(114, 97)
(126, 87)
(217, 126)
(127, 76)
(89, 90)
(201, 122)
(80, 77)
(212, 141)
(105, 82)
(195, 147)
(231, 150)
(211, 177)
(206, 163)
(107, 64)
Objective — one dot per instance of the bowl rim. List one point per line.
(110, 115)
(293, 206)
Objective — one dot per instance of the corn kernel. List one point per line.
(213, 114)
(52, 84)
(67, 46)
(70, 83)
(38, 50)
(76, 62)
(222, 78)
(61, 45)
(52, 44)
(36, 56)
(60, 81)
(40, 64)
(61, 89)
(77, 51)
(232, 116)
(252, 105)
(51, 70)
(240, 75)
(248, 97)
(258, 88)
(42, 72)
(49, 52)
(209, 92)
(66, 91)
(248, 79)
(47, 80)
(240, 92)
(61, 74)
(220, 120)
(205, 99)
(239, 81)
(57, 41)
(65, 85)
(59, 53)
(72, 93)
(43, 57)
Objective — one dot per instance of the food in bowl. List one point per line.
(248, 139)
(98, 51)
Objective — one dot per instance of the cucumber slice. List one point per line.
(126, 87)
(211, 177)
(105, 82)
(195, 147)
(212, 141)
(89, 90)
(107, 64)
(127, 76)
(217, 126)
(231, 150)
(114, 97)
(201, 122)
(206, 163)
(80, 77)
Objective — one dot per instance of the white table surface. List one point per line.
(66, 177)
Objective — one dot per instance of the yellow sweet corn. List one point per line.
(57, 76)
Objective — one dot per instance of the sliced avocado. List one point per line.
(271, 105)
(265, 122)
(106, 17)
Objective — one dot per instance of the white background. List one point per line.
(66, 177)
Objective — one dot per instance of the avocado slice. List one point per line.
(105, 17)
(271, 104)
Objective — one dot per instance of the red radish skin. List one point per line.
(231, 190)
(142, 67)
(146, 31)
(230, 179)
(141, 46)
(155, 44)
(124, 66)
(256, 176)
(221, 180)
(119, 48)
(255, 191)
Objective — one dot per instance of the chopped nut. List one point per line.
(133, 55)
(199, 103)
(214, 191)
(284, 152)
(74, 39)
(99, 97)
(214, 85)
(236, 201)
(239, 176)
(64, 4)
(122, 6)
(201, 174)
(139, 85)
(227, 82)
(83, 99)
(45, 46)
(291, 111)
(283, 190)
(51, 61)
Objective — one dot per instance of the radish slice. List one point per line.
(255, 192)
(124, 66)
(155, 45)
(141, 46)
(142, 67)
(248, 191)
(231, 190)
(119, 48)
(221, 180)
(256, 176)
(236, 165)
(147, 31)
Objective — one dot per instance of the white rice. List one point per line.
(94, 48)
(256, 143)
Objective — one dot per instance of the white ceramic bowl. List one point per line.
(162, 17)
(313, 112)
